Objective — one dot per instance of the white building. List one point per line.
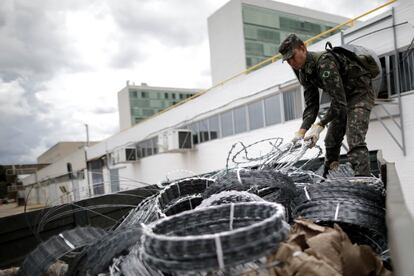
(263, 104)
(243, 33)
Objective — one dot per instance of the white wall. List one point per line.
(124, 109)
(225, 31)
(49, 192)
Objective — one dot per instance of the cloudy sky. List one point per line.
(62, 62)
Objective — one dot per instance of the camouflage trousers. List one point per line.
(355, 126)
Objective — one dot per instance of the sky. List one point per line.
(62, 62)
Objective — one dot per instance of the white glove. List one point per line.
(313, 134)
(298, 136)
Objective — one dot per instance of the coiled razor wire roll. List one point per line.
(228, 197)
(341, 188)
(146, 211)
(271, 185)
(215, 237)
(97, 257)
(39, 260)
(171, 198)
(182, 204)
(358, 204)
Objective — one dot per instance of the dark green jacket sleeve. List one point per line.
(331, 81)
(311, 95)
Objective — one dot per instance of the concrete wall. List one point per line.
(226, 38)
(124, 109)
(59, 151)
(52, 177)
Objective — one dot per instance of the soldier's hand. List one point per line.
(298, 135)
(313, 134)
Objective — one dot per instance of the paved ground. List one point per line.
(10, 209)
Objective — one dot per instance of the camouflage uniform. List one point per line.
(352, 99)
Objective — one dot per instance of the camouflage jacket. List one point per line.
(350, 87)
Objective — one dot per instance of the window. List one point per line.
(272, 110)
(114, 177)
(268, 35)
(406, 69)
(299, 25)
(240, 122)
(95, 168)
(214, 127)
(292, 103)
(154, 145)
(144, 94)
(203, 131)
(194, 130)
(255, 115)
(181, 96)
(166, 95)
(133, 94)
(227, 123)
(147, 112)
(254, 48)
(173, 95)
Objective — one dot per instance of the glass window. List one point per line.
(268, 35)
(95, 168)
(114, 176)
(173, 95)
(155, 145)
(254, 48)
(255, 115)
(240, 122)
(144, 94)
(227, 123)
(203, 131)
(139, 150)
(272, 110)
(166, 95)
(148, 112)
(181, 96)
(406, 69)
(194, 131)
(292, 103)
(133, 94)
(214, 127)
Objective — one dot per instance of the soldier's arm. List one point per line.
(311, 95)
(332, 84)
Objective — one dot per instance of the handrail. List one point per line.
(274, 58)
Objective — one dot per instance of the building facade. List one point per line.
(138, 102)
(245, 32)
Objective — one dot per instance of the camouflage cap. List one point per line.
(288, 45)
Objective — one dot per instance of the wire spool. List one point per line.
(39, 260)
(182, 204)
(271, 185)
(97, 257)
(170, 198)
(356, 204)
(228, 197)
(213, 238)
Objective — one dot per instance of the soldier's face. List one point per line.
(298, 59)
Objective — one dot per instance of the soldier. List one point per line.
(352, 98)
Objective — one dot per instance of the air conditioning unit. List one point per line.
(176, 140)
(124, 155)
